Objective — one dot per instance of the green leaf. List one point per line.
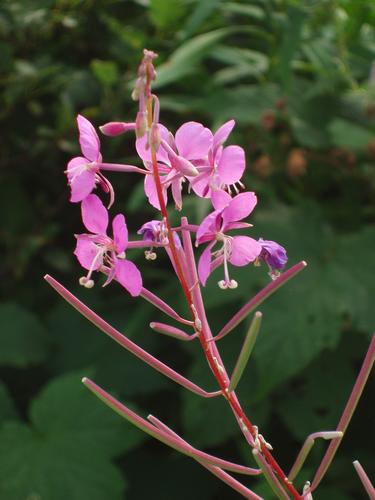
(183, 61)
(206, 422)
(166, 14)
(246, 350)
(316, 403)
(66, 450)
(252, 11)
(290, 43)
(23, 340)
(105, 71)
(353, 265)
(34, 468)
(349, 135)
(198, 16)
(247, 103)
(80, 344)
(310, 116)
(7, 408)
(305, 316)
(171, 477)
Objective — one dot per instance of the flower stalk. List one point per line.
(198, 157)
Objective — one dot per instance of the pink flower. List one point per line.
(224, 167)
(238, 250)
(83, 171)
(97, 249)
(176, 158)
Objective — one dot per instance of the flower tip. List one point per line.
(258, 314)
(152, 325)
(46, 277)
(84, 380)
(304, 263)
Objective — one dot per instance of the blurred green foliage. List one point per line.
(298, 77)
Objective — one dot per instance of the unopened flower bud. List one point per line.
(116, 128)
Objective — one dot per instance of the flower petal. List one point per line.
(75, 167)
(151, 192)
(244, 250)
(87, 252)
(220, 199)
(200, 184)
(176, 192)
(128, 275)
(94, 214)
(81, 180)
(88, 139)
(207, 227)
(240, 207)
(204, 264)
(120, 233)
(274, 254)
(231, 164)
(193, 140)
(222, 134)
(145, 153)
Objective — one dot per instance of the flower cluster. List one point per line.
(194, 156)
(193, 161)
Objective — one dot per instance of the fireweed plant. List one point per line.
(198, 158)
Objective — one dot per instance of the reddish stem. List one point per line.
(208, 347)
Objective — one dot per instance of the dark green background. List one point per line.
(296, 78)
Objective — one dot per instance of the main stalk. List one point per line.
(201, 326)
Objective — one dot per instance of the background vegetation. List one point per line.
(296, 76)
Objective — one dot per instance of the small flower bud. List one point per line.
(116, 128)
